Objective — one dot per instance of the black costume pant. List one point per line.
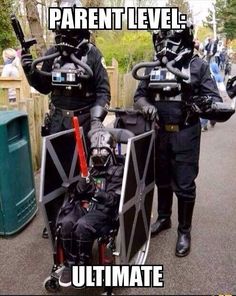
(79, 226)
(177, 157)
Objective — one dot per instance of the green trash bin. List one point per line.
(17, 191)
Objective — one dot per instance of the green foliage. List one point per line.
(230, 19)
(219, 15)
(225, 18)
(127, 47)
(203, 33)
(7, 38)
(233, 44)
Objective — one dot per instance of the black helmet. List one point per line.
(102, 149)
(69, 39)
(170, 43)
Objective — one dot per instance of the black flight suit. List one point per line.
(178, 142)
(95, 91)
(81, 227)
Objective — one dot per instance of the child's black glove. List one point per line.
(85, 187)
(100, 197)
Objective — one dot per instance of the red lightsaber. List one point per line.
(80, 148)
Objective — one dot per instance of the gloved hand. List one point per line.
(231, 87)
(100, 197)
(149, 110)
(85, 187)
(204, 103)
(97, 114)
(26, 62)
(96, 124)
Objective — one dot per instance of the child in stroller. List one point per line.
(82, 222)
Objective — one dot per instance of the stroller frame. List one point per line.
(112, 246)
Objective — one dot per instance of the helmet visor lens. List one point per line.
(100, 157)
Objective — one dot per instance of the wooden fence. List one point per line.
(36, 105)
(123, 86)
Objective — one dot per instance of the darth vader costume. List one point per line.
(80, 224)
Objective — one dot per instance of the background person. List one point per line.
(209, 46)
(10, 69)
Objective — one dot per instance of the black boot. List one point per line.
(165, 199)
(185, 213)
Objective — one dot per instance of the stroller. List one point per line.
(123, 242)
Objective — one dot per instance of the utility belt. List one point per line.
(175, 128)
(177, 125)
(45, 129)
(172, 128)
(73, 92)
(72, 113)
(174, 115)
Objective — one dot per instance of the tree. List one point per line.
(183, 6)
(7, 37)
(93, 3)
(225, 17)
(230, 19)
(203, 32)
(35, 25)
(219, 14)
(144, 3)
(127, 47)
(117, 3)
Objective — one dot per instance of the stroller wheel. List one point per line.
(107, 294)
(51, 284)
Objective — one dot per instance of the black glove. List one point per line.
(26, 62)
(96, 124)
(148, 110)
(97, 114)
(204, 104)
(100, 197)
(231, 87)
(85, 188)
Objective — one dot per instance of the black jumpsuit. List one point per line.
(95, 91)
(177, 152)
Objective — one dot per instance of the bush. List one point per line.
(127, 47)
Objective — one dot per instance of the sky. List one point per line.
(200, 9)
